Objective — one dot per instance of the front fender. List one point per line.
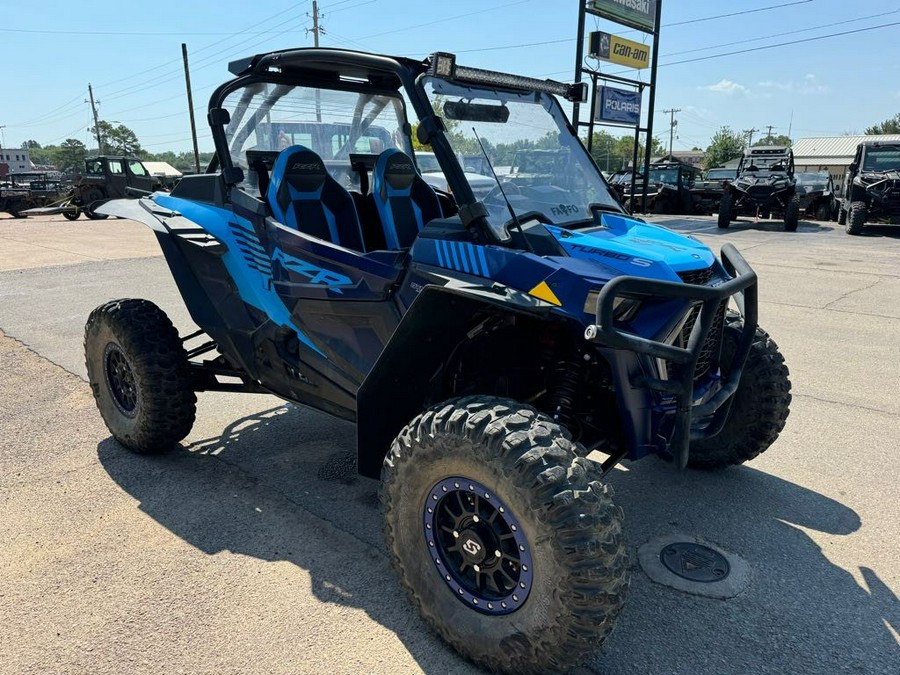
(408, 374)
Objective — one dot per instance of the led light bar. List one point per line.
(443, 65)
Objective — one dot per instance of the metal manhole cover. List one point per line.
(694, 562)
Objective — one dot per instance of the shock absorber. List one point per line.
(564, 393)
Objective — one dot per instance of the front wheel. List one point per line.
(72, 215)
(139, 373)
(760, 408)
(823, 212)
(725, 216)
(842, 214)
(505, 539)
(792, 214)
(856, 217)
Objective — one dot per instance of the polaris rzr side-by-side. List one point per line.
(669, 189)
(817, 197)
(482, 347)
(871, 191)
(765, 187)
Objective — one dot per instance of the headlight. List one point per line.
(624, 308)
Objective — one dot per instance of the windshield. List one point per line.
(720, 174)
(266, 118)
(667, 176)
(882, 159)
(766, 163)
(550, 171)
(812, 179)
(427, 162)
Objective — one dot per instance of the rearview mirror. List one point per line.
(476, 112)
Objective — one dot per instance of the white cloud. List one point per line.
(810, 85)
(771, 84)
(726, 87)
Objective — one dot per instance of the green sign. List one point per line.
(640, 14)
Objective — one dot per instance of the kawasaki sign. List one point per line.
(640, 14)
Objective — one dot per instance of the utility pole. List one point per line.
(672, 124)
(190, 98)
(96, 120)
(769, 133)
(749, 134)
(315, 30)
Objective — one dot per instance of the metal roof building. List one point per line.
(832, 150)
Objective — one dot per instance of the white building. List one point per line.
(831, 153)
(16, 160)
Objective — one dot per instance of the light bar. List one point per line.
(443, 65)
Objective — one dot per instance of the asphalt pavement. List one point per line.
(254, 548)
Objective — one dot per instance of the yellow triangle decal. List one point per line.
(542, 291)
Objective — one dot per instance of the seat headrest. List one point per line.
(302, 168)
(399, 170)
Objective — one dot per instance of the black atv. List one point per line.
(483, 347)
(871, 192)
(668, 190)
(817, 197)
(765, 187)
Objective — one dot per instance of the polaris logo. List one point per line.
(407, 167)
(304, 166)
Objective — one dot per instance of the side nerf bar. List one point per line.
(742, 287)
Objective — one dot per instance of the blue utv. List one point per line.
(483, 346)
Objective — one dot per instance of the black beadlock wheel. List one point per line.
(792, 214)
(760, 409)
(856, 217)
(725, 216)
(139, 374)
(506, 541)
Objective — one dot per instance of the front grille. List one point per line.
(697, 277)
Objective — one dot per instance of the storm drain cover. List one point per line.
(694, 562)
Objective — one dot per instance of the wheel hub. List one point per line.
(120, 378)
(477, 546)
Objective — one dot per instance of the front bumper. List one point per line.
(742, 287)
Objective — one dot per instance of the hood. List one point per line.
(632, 247)
(869, 177)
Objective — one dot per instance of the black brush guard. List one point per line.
(742, 287)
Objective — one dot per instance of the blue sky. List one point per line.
(52, 49)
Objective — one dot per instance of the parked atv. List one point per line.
(483, 348)
(817, 198)
(871, 192)
(765, 187)
(708, 191)
(27, 190)
(668, 191)
(104, 178)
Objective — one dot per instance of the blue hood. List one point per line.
(635, 248)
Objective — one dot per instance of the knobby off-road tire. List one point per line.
(139, 373)
(725, 211)
(569, 524)
(71, 215)
(760, 408)
(856, 218)
(842, 214)
(792, 214)
(823, 212)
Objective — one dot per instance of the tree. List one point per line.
(118, 140)
(31, 145)
(70, 156)
(891, 126)
(726, 144)
(774, 140)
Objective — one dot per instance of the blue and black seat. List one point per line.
(404, 201)
(304, 196)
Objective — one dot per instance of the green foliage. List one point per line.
(117, 140)
(31, 145)
(70, 156)
(774, 140)
(183, 161)
(612, 154)
(891, 126)
(726, 145)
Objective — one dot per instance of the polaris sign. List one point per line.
(640, 14)
(618, 106)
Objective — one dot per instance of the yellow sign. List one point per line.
(615, 49)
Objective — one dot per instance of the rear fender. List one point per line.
(408, 374)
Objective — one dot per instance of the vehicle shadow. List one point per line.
(886, 231)
(264, 486)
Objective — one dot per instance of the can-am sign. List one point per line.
(619, 106)
(640, 14)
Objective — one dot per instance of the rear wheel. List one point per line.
(792, 214)
(842, 215)
(856, 218)
(92, 199)
(725, 217)
(139, 373)
(760, 408)
(506, 541)
(15, 209)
